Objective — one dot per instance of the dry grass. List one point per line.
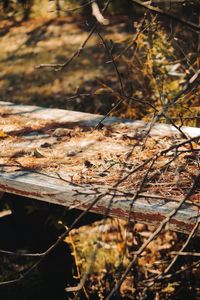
(101, 157)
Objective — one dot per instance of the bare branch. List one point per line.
(98, 15)
(154, 9)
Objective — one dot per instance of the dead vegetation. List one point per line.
(148, 71)
(113, 156)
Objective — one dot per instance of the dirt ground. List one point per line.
(26, 45)
(23, 46)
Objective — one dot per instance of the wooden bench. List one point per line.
(53, 155)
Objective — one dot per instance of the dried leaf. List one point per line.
(2, 134)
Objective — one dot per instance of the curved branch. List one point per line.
(157, 10)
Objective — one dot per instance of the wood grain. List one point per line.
(48, 187)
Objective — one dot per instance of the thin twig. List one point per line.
(154, 9)
(152, 237)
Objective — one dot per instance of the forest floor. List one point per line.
(27, 45)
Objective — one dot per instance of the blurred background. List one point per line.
(155, 55)
(132, 68)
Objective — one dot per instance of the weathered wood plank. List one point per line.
(53, 190)
(66, 116)
(50, 188)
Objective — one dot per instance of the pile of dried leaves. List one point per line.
(119, 155)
